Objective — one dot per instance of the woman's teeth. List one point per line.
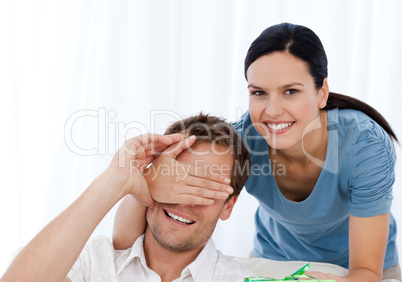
(179, 218)
(279, 126)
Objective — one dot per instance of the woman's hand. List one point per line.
(130, 161)
(170, 181)
(324, 276)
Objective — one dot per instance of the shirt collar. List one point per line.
(207, 257)
(137, 251)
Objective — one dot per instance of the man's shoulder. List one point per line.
(229, 265)
(219, 267)
(102, 246)
(100, 241)
(99, 259)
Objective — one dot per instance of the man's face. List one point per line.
(180, 228)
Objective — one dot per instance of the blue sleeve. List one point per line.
(372, 175)
(241, 123)
(254, 142)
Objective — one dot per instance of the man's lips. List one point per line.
(178, 218)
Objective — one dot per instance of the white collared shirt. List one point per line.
(99, 261)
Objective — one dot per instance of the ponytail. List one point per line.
(346, 102)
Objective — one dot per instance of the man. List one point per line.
(176, 243)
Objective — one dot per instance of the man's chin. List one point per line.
(176, 244)
(182, 248)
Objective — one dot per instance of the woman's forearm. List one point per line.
(129, 223)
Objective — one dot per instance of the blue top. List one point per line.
(356, 179)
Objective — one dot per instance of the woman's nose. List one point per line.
(274, 107)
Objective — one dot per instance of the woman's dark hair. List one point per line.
(304, 44)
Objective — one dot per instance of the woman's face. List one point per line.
(283, 99)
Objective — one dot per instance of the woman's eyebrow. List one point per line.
(280, 87)
(253, 86)
(290, 85)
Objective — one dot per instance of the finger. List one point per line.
(175, 137)
(315, 273)
(153, 138)
(206, 193)
(194, 200)
(182, 143)
(152, 144)
(218, 175)
(132, 147)
(318, 275)
(157, 148)
(208, 185)
(175, 149)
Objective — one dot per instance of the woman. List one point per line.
(330, 201)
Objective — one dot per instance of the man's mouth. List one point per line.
(178, 219)
(279, 126)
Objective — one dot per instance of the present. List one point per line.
(293, 277)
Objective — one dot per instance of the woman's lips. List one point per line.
(279, 127)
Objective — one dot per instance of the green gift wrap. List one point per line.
(293, 277)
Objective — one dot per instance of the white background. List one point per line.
(135, 66)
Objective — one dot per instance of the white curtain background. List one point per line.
(79, 77)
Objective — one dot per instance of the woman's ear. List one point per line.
(227, 208)
(324, 93)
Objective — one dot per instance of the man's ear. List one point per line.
(227, 208)
(324, 93)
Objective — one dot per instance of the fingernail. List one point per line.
(229, 190)
(211, 201)
(227, 180)
(224, 195)
(191, 138)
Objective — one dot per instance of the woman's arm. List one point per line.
(368, 238)
(129, 223)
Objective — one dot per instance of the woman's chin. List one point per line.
(280, 144)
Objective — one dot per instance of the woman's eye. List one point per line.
(258, 93)
(292, 91)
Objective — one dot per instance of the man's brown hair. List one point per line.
(215, 130)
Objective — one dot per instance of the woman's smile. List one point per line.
(278, 127)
